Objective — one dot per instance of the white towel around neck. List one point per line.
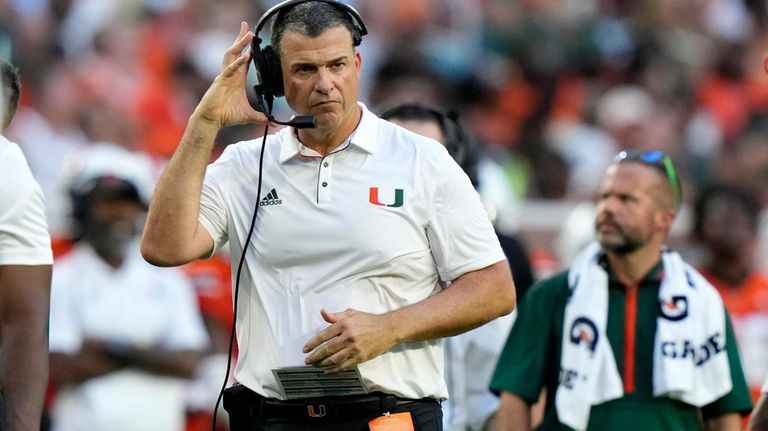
(690, 361)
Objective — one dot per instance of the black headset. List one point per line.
(458, 142)
(266, 60)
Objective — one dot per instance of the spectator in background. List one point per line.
(123, 333)
(25, 277)
(726, 229)
(599, 336)
(471, 356)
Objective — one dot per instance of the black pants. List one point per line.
(426, 417)
(246, 414)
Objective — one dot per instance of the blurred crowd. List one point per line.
(551, 89)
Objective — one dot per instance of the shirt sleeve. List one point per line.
(739, 399)
(24, 237)
(213, 198)
(521, 368)
(460, 232)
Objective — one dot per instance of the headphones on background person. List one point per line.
(458, 142)
(266, 60)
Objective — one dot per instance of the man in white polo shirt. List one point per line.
(25, 276)
(358, 227)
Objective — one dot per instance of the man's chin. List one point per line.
(326, 120)
(618, 247)
(613, 243)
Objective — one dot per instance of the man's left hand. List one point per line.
(352, 337)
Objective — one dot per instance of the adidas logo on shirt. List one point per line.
(271, 199)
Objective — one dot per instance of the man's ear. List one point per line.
(666, 218)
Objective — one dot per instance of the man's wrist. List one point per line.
(201, 121)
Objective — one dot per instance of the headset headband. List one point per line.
(357, 20)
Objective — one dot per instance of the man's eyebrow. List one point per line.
(305, 63)
(337, 59)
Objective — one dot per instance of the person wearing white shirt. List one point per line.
(360, 225)
(25, 276)
(125, 336)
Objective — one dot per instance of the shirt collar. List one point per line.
(363, 137)
(656, 274)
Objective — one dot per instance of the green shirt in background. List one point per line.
(531, 360)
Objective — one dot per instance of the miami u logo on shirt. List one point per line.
(373, 197)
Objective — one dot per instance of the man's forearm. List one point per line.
(472, 300)
(171, 363)
(514, 413)
(75, 368)
(24, 373)
(726, 422)
(24, 305)
(172, 219)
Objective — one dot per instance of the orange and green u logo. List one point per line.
(373, 197)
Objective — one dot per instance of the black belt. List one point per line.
(328, 408)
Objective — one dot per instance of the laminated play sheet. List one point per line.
(312, 382)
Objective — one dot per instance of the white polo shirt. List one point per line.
(371, 226)
(24, 238)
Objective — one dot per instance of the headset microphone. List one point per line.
(298, 122)
(264, 100)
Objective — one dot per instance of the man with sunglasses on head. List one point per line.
(342, 265)
(630, 337)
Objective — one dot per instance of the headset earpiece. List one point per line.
(270, 72)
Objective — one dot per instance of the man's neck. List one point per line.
(631, 267)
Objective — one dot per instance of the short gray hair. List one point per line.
(312, 19)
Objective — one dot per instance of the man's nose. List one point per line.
(607, 205)
(324, 81)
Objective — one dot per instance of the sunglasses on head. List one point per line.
(659, 160)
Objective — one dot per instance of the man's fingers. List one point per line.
(321, 356)
(243, 29)
(243, 39)
(334, 360)
(328, 316)
(348, 364)
(323, 336)
(233, 67)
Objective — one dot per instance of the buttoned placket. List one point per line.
(325, 174)
(325, 169)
